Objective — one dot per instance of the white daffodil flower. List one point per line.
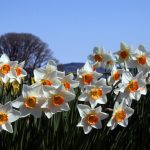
(120, 115)
(86, 75)
(115, 75)
(109, 61)
(141, 60)
(96, 93)
(68, 82)
(46, 78)
(99, 57)
(124, 54)
(131, 87)
(18, 72)
(90, 118)
(5, 67)
(31, 101)
(8, 115)
(56, 100)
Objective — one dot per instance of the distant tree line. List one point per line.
(26, 47)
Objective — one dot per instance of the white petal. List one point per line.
(8, 127)
(126, 77)
(38, 74)
(93, 103)
(36, 112)
(4, 58)
(24, 112)
(106, 89)
(68, 96)
(48, 114)
(87, 129)
(7, 107)
(65, 107)
(5, 79)
(83, 110)
(103, 115)
(83, 97)
(18, 102)
(124, 123)
(129, 111)
(13, 115)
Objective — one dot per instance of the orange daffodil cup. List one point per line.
(53, 90)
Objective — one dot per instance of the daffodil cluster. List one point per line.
(126, 77)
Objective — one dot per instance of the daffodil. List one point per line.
(68, 82)
(90, 118)
(30, 101)
(98, 58)
(120, 115)
(18, 72)
(109, 61)
(141, 60)
(131, 87)
(124, 54)
(8, 115)
(56, 100)
(46, 78)
(96, 93)
(86, 75)
(5, 67)
(115, 75)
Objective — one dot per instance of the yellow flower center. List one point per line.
(92, 119)
(133, 86)
(87, 78)
(57, 100)
(46, 82)
(116, 75)
(120, 115)
(124, 54)
(66, 85)
(96, 93)
(30, 102)
(3, 118)
(5, 69)
(141, 59)
(98, 57)
(18, 71)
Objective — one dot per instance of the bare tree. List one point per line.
(28, 47)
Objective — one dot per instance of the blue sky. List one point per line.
(72, 28)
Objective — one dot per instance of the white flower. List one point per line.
(115, 75)
(96, 93)
(68, 82)
(45, 78)
(141, 60)
(132, 87)
(18, 72)
(124, 54)
(109, 61)
(8, 115)
(120, 115)
(31, 101)
(56, 100)
(86, 75)
(98, 58)
(5, 67)
(90, 118)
